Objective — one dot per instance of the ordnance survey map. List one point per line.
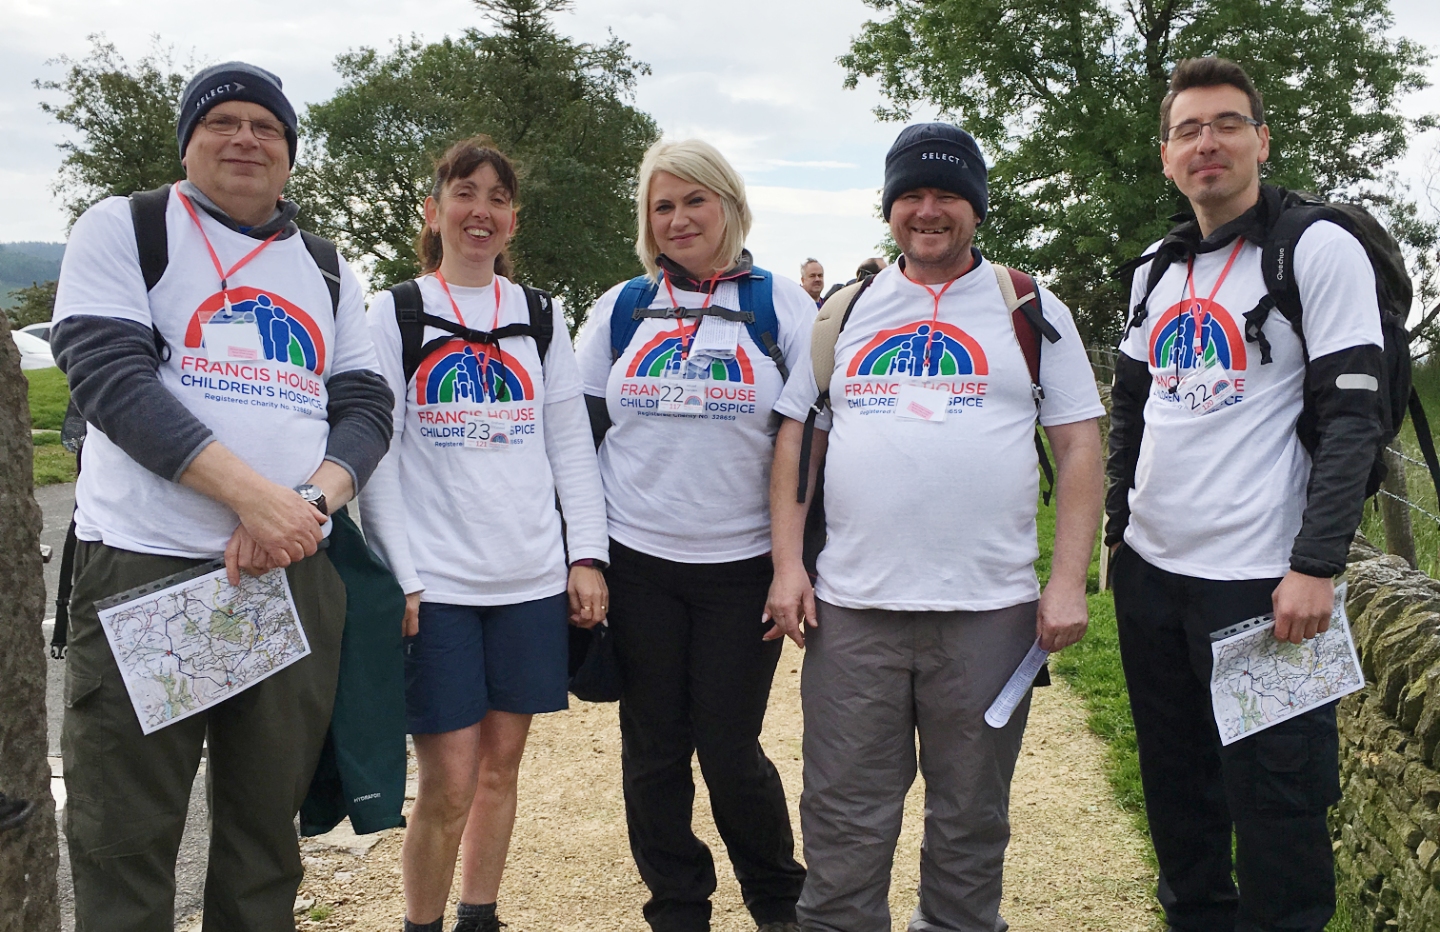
(185, 644)
(1258, 681)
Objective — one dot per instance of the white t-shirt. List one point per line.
(264, 396)
(694, 488)
(463, 505)
(1221, 495)
(927, 516)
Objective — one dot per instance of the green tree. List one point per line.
(124, 116)
(560, 109)
(1065, 96)
(33, 304)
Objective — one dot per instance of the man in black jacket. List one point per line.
(1217, 513)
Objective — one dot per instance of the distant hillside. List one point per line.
(22, 264)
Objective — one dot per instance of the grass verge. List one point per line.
(53, 463)
(49, 397)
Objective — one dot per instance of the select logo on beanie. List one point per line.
(944, 157)
(210, 96)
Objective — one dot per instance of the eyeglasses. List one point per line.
(225, 125)
(1223, 127)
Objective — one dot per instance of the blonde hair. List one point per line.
(699, 163)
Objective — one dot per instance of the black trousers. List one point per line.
(1273, 787)
(696, 682)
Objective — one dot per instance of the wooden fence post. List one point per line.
(1399, 537)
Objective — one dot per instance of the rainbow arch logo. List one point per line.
(457, 372)
(661, 358)
(1172, 339)
(287, 334)
(901, 351)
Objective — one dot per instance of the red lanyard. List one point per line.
(1197, 310)
(685, 338)
(934, 317)
(461, 318)
(220, 269)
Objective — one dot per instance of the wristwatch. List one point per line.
(313, 495)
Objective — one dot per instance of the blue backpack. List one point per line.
(757, 313)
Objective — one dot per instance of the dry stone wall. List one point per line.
(1386, 829)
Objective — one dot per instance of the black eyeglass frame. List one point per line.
(1200, 127)
(208, 121)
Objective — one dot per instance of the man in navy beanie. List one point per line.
(221, 360)
(925, 599)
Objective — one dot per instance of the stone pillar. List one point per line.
(29, 900)
(1399, 538)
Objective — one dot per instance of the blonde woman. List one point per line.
(680, 369)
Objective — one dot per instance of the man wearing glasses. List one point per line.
(232, 400)
(1218, 514)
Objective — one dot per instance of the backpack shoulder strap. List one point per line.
(757, 295)
(327, 260)
(542, 319)
(410, 318)
(824, 334)
(147, 213)
(1294, 215)
(637, 293)
(1022, 298)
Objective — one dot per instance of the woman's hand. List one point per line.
(791, 604)
(589, 597)
(411, 625)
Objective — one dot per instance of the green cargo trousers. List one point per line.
(128, 792)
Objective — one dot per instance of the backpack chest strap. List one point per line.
(694, 313)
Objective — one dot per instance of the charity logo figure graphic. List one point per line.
(663, 358)
(463, 373)
(287, 334)
(1172, 340)
(914, 350)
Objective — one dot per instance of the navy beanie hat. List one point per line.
(935, 155)
(233, 80)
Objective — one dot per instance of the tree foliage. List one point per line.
(33, 304)
(560, 109)
(1065, 96)
(124, 116)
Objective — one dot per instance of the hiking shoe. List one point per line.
(493, 924)
(778, 927)
(14, 812)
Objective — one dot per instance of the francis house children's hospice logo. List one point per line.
(940, 355)
(660, 380)
(1173, 346)
(259, 349)
(474, 396)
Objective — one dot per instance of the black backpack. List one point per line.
(1289, 214)
(152, 240)
(412, 319)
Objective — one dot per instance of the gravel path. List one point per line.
(1075, 862)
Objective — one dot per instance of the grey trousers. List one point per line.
(129, 792)
(872, 680)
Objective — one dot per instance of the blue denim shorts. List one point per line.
(469, 659)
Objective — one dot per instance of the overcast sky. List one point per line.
(760, 81)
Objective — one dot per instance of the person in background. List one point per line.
(489, 434)
(683, 407)
(812, 279)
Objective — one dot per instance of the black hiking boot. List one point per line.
(492, 924)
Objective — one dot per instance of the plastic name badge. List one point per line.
(921, 404)
(717, 337)
(484, 433)
(682, 396)
(239, 339)
(1205, 389)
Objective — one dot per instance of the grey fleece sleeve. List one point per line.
(113, 369)
(360, 414)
